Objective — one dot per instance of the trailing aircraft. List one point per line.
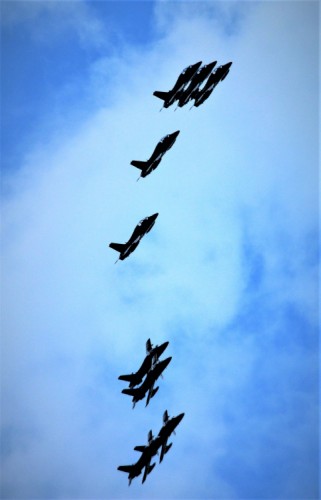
(153, 354)
(143, 462)
(195, 83)
(151, 449)
(161, 148)
(169, 426)
(147, 453)
(214, 78)
(142, 228)
(172, 95)
(139, 393)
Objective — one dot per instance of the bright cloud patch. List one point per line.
(228, 274)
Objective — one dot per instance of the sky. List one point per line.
(228, 275)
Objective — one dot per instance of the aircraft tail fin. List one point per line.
(119, 247)
(138, 164)
(160, 95)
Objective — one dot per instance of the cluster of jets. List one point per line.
(196, 82)
(151, 368)
(151, 449)
(187, 87)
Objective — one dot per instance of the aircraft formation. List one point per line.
(195, 83)
(151, 369)
(151, 449)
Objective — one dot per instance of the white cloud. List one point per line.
(73, 321)
(49, 21)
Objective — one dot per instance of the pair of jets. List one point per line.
(151, 368)
(151, 449)
(188, 84)
(146, 224)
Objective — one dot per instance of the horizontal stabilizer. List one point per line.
(125, 468)
(129, 392)
(160, 95)
(140, 448)
(119, 247)
(127, 378)
(138, 164)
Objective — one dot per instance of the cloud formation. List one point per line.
(228, 274)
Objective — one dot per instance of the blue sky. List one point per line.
(229, 274)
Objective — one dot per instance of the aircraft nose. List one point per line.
(180, 417)
(197, 65)
(211, 65)
(154, 216)
(176, 133)
(167, 361)
(229, 64)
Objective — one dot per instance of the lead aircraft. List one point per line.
(214, 78)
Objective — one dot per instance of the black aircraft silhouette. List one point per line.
(170, 97)
(144, 460)
(161, 148)
(214, 78)
(195, 83)
(153, 354)
(169, 426)
(151, 449)
(142, 228)
(139, 393)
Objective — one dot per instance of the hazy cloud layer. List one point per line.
(228, 274)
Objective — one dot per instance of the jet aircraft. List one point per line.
(161, 148)
(214, 78)
(139, 393)
(169, 426)
(143, 462)
(142, 228)
(195, 83)
(153, 354)
(148, 452)
(172, 95)
(151, 449)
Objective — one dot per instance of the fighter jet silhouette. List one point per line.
(161, 148)
(195, 83)
(143, 462)
(170, 97)
(214, 78)
(169, 426)
(153, 354)
(151, 449)
(148, 384)
(148, 452)
(142, 228)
